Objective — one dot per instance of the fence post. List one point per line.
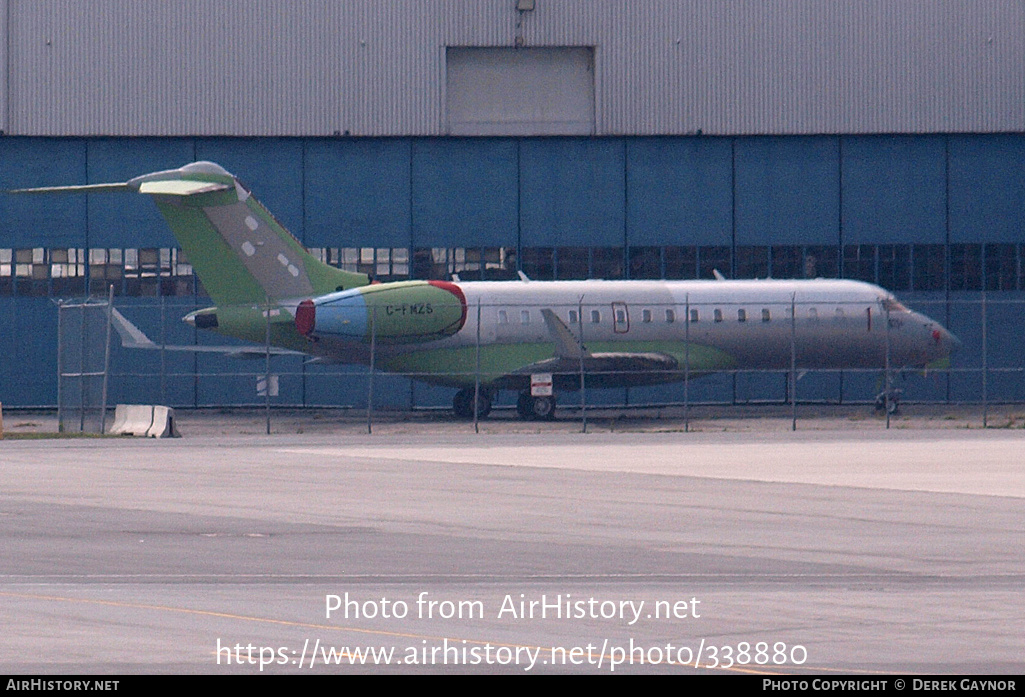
(106, 360)
(370, 374)
(985, 366)
(266, 373)
(793, 362)
(686, 364)
(886, 368)
(476, 378)
(60, 366)
(583, 398)
(82, 352)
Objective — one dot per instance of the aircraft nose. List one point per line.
(945, 340)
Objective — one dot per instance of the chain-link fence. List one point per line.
(83, 359)
(677, 354)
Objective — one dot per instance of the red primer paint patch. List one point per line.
(306, 317)
(456, 291)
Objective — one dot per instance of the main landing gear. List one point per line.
(536, 408)
(462, 403)
(527, 406)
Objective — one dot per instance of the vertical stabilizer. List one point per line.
(240, 252)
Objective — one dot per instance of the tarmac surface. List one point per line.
(741, 547)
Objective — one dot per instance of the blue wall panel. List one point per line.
(679, 191)
(787, 190)
(894, 190)
(464, 192)
(538, 192)
(358, 193)
(987, 188)
(572, 192)
(130, 220)
(28, 352)
(42, 220)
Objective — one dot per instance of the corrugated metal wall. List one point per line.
(182, 67)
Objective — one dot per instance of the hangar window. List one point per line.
(572, 263)
(538, 263)
(645, 262)
(606, 262)
(894, 266)
(752, 262)
(680, 262)
(966, 267)
(1001, 266)
(787, 262)
(859, 262)
(471, 263)
(928, 262)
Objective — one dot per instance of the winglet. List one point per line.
(566, 345)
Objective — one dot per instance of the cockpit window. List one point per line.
(890, 304)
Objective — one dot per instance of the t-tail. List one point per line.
(240, 252)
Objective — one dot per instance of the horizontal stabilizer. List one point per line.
(180, 187)
(77, 189)
(134, 338)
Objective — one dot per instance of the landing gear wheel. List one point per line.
(894, 402)
(462, 404)
(536, 408)
(544, 408)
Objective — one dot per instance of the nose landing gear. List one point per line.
(891, 405)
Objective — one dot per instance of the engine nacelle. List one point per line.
(400, 312)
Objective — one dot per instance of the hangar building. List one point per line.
(879, 140)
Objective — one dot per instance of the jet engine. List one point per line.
(403, 312)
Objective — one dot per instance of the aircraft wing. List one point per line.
(134, 338)
(610, 369)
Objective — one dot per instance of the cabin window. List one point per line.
(620, 316)
(670, 316)
(813, 314)
(524, 316)
(503, 317)
(840, 317)
(646, 316)
(573, 317)
(595, 317)
(693, 315)
(741, 315)
(765, 314)
(717, 315)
